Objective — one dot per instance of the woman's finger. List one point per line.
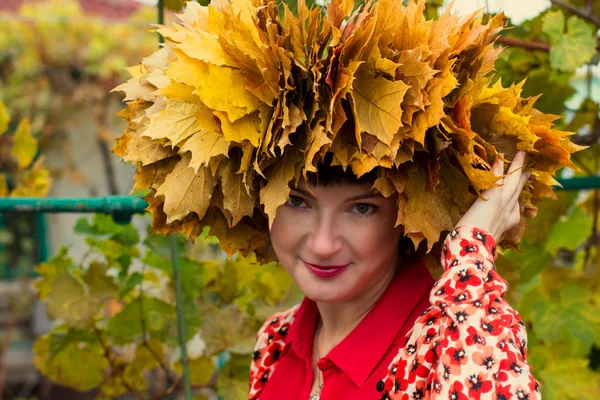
(515, 216)
(512, 179)
(522, 182)
(498, 167)
(498, 170)
(517, 161)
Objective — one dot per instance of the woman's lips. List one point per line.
(326, 271)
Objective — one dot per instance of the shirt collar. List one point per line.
(358, 354)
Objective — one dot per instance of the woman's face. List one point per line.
(338, 242)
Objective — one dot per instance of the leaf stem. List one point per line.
(586, 14)
(145, 332)
(180, 320)
(160, 18)
(528, 44)
(524, 44)
(108, 354)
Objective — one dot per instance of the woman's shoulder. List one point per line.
(270, 341)
(277, 325)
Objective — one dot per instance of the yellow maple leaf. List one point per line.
(136, 89)
(384, 185)
(3, 185)
(481, 178)
(246, 128)
(33, 182)
(180, 91)
(236, 199)
(317, 139)
(278, 177)
(184, 191)
(416, 73)
(4, 118)
(438, 88)
(378, 105)
(175, 123)
(204, 146)
(413, 30)
(25, 146)
(219, 88)
(153, 175)
(141, 149)
(432, 213)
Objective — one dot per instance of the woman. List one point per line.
(246, 98)
(374, 326)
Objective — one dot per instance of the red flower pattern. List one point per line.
(470, 344)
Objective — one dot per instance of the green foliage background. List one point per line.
(116, 313)
(114, 309)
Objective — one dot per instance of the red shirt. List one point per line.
(354, 366)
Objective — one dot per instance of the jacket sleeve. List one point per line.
(481, 348)
(270, 342)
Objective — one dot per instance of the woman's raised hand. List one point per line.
(501, 211)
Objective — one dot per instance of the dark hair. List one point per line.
(328, 175)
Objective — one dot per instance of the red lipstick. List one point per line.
(326, 271)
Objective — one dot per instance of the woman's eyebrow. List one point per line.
(304, 192)
(364, 196)
(353, 198)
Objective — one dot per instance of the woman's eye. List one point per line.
(365, 209)
(295, 201)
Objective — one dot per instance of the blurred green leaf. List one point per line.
(570, 232)
(158, 320)
(570, 379)
(69, 303)
(4, 118)
(50, 270)
(587, 115)
(104, 225)
(100, 286)
(59, 366)
(201, 370)
(570, 49)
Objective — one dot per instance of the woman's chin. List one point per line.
(329, 290)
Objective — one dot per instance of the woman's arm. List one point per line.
(481, 346)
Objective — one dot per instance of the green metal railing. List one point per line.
(116, 205)
(127, 205)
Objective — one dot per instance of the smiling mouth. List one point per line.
(326, 271)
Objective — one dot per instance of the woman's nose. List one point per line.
(324, 242)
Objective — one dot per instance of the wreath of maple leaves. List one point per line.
(242, 101)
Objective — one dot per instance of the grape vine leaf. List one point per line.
(570, 49)
(127, 326)
(4, 118)
(25, 146)
(59, 366)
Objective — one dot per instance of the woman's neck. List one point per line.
(339, 319)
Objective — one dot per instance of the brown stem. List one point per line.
(590, 139)
(589, 244)
(589, 5)
(109, 356)
(586, 14)
(145, 331)
(529, 44)
(109, 171)
(524, 44)
(10, 330)
(169, 390)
